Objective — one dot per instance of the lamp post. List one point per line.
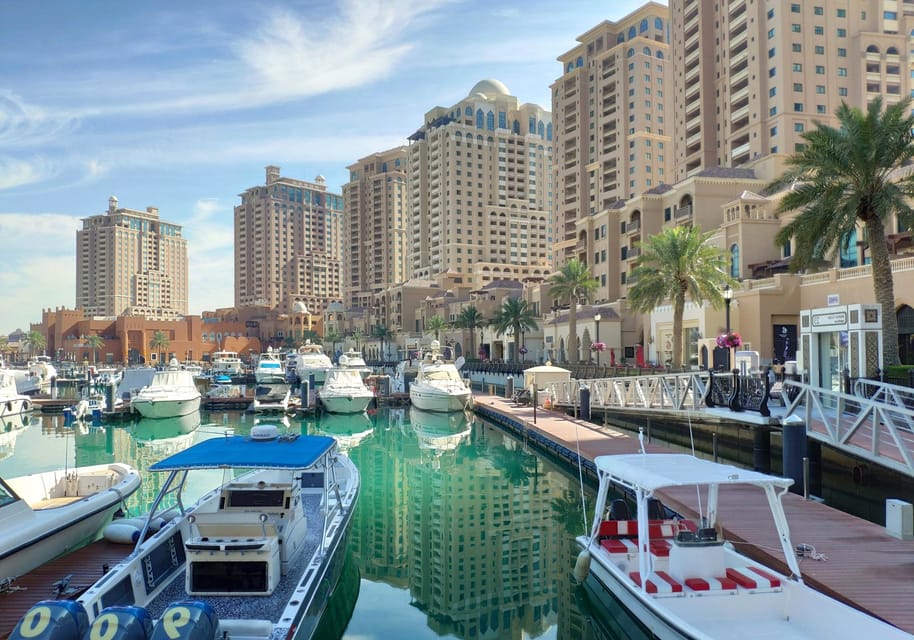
(596, 318)
(555, 343)
(728, 296)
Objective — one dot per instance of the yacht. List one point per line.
(11, 401)
(269, 369)
(309, 360)
(226, 363)
(344, 391)
(353, 359)
(169, 395)
(438, 385)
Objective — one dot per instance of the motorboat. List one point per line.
(269, 369)
(254, 558)
(226, 363)
(438, 385)
(11, 401)
(272, 399)
(681, 578)
(353, 359)
(44, 515)
(344, 391)
(88, 406)
(170, 394)
(309, 360)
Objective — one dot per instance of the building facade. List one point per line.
(131, 262)
(288, 244)
(376, 226)
(481, 189)
(613, 114)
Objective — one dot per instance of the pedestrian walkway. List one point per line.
(865, 566)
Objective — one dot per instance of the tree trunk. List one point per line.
(678, 309)
(885, 289)
(573, 351)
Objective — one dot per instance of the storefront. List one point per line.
(838, 338)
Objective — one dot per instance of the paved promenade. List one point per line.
(865, 566)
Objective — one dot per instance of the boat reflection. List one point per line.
(341, 604)
(11, 427)
(348, 429)
(165, 435)
(440, 431)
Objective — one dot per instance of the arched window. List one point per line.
(848, 255)
(532, 125)
(515, 127)
(569, 68)
(891, 51)
(658, 24)
(631, 33)
(646, 51)
(468, 111)
(480, 119)
(734, 260)
(630, 53)
(659, 54)
(620, 38)
(643, 26)
(872, 49)
(540, 128)
(549, 131)
(490, 121)
(579, 62)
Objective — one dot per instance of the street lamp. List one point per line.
(596, 318)
(728, 296)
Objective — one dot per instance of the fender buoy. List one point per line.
(121, 533)
(582, 566)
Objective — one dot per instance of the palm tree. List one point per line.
(332, 337)
(382, 333)
(358, 336)
(515, 314)
(677, 263)
(36, 341)
(844, 177)
(573, 283)
(95, 342)
(470, 318)
(434, 325)
(160, 344)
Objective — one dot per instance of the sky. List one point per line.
(180, 105)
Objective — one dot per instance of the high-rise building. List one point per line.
(613, 115)
(288, 244)
(131, 263)
(749, 78)
(376, 226)
(481, 189)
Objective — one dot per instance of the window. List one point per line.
(819, 31)
(819, 11)
(797, 66)
(820, 88)
(842, 72)
(734, 261)
(842, 13)
(798, 107)
(773, 131)
(794, 8)
(772, 92)
(770, 13)
(798, 86)
(795, 28)
(842, 91)
(820, 108)
(773, 111)
(796, 47)
(820, 50)
(770, 33)
(771, 53)
(890, 15)
(798, 127)
(771, 72)
(842, 52)
(842, 33)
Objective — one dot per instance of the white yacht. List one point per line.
(269, 369)
(11, 401)
(353, 359)
(438, 385)
(169, 395)
(309, 360)
(344, 391)
(226, 363)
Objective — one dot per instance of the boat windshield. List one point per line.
(443, 374)
(7, 495)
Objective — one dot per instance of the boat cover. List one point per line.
(243, 452)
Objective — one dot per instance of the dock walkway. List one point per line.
(865, 567)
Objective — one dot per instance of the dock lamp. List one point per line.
(596, 318)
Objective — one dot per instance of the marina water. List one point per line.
(462, 531)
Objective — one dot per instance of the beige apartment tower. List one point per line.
(131, 263)
(751, 77)
(376, 226)
(613, 114)
(288, 244)
(481, 189)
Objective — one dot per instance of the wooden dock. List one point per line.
(80, 569)
(865, 567)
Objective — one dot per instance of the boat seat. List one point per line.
(658, 582)
(753, 578)
(629, 528)
(714, 583)
(228, 524)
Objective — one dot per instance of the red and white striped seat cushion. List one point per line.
(710, 584)
(753, 578)
(658, 582)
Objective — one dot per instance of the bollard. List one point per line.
(585, 402)
(794, 450)
(509, 387)
(305, 391)
(714, 455)
(761, 450)
(110, 391)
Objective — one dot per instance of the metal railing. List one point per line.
(677, 391)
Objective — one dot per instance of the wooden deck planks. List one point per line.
(865, 567)
(85, 565)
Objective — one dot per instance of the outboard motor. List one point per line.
(53, 620)
(128, 622)
(187, 620)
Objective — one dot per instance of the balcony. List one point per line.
(683, 212)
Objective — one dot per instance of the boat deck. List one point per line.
(83, 567)
(866, 567)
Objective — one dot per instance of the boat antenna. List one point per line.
(577, 444)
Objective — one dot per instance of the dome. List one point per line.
(299, 307)
(490, 88)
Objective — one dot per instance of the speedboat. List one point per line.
(438, 385)
(344, 391)
(309, 360)
(353, 359)
(255, 558)
(44, 515)
(11, 401)
(169, 395)
(269, 369)
(681, 578)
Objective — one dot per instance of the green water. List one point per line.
(461, 531)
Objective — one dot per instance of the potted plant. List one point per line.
(730, 340)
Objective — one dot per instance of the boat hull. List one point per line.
(15, 405)
(31, 537)
(345, 403)
(435, 400)
(166, 408)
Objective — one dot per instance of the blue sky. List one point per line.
(181, 105)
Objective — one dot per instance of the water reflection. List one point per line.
(439, 432)
(10, 428)
(349, 430)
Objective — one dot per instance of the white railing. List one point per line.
(879, 431)
(677, 391)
